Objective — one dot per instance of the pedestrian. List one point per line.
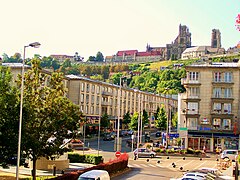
(204, 149)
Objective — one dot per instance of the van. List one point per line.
(95, 175)
(229, 154)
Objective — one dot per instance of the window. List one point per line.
(226, 123)
(98, 89)
(92, 99)
(87, 98)
(217, 77)
(92, 110)
(193, 76)
(192, 123)
(217, 107)
(192, 107)
(228, 76)
(217, 92)
(82, 98)
(82, 86)
(216, 122)
(86, 109)
(93, 88)
(194, 91)
(227, 92)
(98, 99)
(88, 86)
(227, 108)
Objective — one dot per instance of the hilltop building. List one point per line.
(205, 51)
(171, 51)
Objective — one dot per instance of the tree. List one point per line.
(161, 121)
(134, 121)
(99, 57)
(48, 116)
(126, 119)
(91, 58)
(145, 117)
(105, 121)
(175, 120)
(9, 116)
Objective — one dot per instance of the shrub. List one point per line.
(88, 158)
(190, 151)
(197, 152)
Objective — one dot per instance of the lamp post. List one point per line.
(119, 114)
(100, 114)
(167, 130)
(34, 45)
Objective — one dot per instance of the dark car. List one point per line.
(158, 134)
(107, 137)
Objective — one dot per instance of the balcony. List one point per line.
(105, 103)
(218, 127)
(187, 97)
(222, 83)
(106, 93)
(187, 81)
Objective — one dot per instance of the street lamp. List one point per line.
(34, 45)
(119, 114)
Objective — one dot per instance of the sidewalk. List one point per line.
(25, 172)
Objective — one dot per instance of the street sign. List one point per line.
(117, 154)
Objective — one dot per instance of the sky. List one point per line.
(108, 26)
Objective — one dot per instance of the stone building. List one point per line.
(182, 41)
(209, 109)
(216, 39)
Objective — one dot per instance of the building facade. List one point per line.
(96, 98)
(209, 110)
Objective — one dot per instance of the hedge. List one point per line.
(88, 158)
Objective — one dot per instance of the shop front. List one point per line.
(210, 141)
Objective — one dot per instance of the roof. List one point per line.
(15, 65)
(196, 49)
(93, 173)
(127, 52)
(219, 64)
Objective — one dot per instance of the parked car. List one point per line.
(95, 175)
(144, 152)
(229, 154)
(113, 134)
(158, 134)
(107, 137)
(130, 132)
(194, 175)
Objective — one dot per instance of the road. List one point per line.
(161, 167)
(155, 168)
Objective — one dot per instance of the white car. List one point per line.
(144, 152)
(229, 154)
(194, 175)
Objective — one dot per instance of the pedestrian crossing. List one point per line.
(144, 165)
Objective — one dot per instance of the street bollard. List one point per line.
(54, 170)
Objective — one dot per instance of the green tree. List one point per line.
(91, 58)
(105, 123)
(99, 57)
(145, 117)
(9, 116)
(161, 121)
(48, 116)
(126, 119)
(175, 120)
(134, 122)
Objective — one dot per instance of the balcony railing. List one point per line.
(188, 81)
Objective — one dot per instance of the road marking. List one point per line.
(151, 165)
(201, 164)
(175, 162)
(188, 163)
(134, 165)
(144, 165)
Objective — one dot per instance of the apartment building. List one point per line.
(209, 109)
(96, 98)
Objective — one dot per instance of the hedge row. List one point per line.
(88, 158)
(113, 166)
